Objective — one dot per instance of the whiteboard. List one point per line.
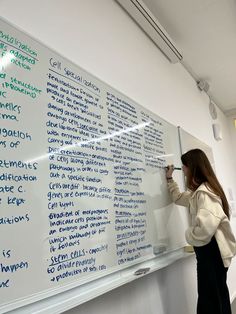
(82, 186)
(189, 141)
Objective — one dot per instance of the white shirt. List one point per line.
(207, 219)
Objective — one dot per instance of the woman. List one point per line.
(209, 233)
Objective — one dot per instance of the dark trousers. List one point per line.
(213, 294)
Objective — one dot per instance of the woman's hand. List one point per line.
(169, 171)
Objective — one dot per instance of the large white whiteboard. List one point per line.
(82, 185)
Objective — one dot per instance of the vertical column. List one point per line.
(18, 177)
(80, 188)
(129, 200)
(153, 147)
(155, 154)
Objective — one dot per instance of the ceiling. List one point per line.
(205, 32)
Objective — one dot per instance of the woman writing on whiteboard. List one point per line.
(209, 233)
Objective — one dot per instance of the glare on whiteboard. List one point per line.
(6, 60)
(94, 140)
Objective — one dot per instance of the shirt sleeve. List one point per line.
(178, 198)
(205, 223)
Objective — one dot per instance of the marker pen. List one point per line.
(175, 168)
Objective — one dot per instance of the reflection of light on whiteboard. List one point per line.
(161, 220)
(158, 156)
(151, 184)
(94, 140)
(164, 156)
(6, 60)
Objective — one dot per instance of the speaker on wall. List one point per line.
(217, 131)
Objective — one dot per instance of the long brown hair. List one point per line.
(200, 171)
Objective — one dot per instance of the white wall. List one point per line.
(100, 37)
(233, 135)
